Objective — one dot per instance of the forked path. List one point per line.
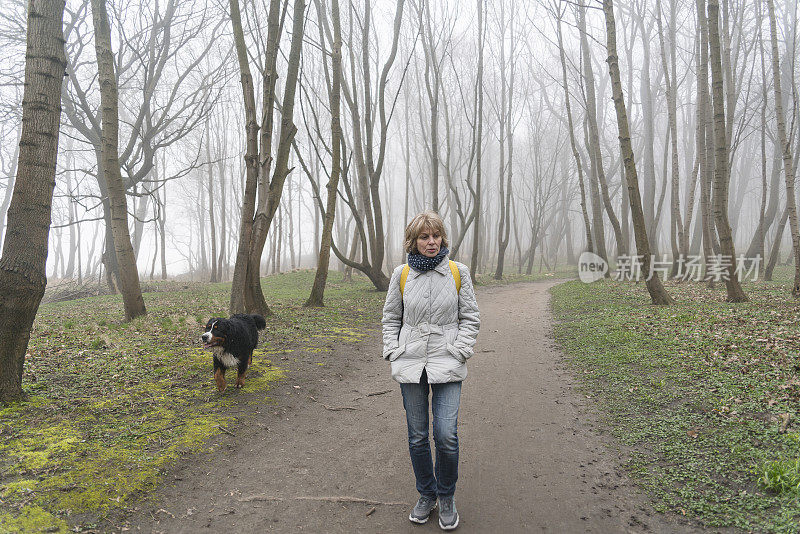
(531, 460)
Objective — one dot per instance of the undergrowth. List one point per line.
(112, 404)
(702, 395)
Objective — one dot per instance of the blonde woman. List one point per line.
(430, 325)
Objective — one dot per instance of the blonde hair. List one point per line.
(428, 219)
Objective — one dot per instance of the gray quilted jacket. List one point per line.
(430, 326)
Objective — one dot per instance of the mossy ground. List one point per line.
(113, 404)
(698, 393)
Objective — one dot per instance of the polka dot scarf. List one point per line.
(423, 263)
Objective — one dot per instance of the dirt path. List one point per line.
(531, 458)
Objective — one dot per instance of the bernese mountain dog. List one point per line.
(232, 341)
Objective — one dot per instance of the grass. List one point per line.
(113, 404)
(702, 395)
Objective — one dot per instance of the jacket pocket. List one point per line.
(396, 353)
(455, 353)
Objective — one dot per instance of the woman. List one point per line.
(430, 324)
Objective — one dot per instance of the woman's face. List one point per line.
(429, 242)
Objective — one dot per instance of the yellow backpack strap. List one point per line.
(404, 276)
(456, 276)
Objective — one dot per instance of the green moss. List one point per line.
(261, 373)
(19, 487)
(109, 476)
(32, 519)
(35, 449)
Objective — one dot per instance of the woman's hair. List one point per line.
(427, 220)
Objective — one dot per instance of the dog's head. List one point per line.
(216, 332)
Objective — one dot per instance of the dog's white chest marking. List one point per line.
(225, 358)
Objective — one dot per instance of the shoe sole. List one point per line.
(451, 527)
(422, 521)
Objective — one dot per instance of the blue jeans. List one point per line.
(446, 399)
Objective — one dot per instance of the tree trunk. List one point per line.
(473, 266)
(595, 155)
(74, 245)
(201, 227)
(109, 102)
(658, 294)
(210, 192)
(140, 210)
(22, 266)
(290, 223)
(9, 190)
(706, 163)
(506, 138)
(648, 152)
(573, 144)
(721, 170)
(788, 164)
(334, 99)
(774, 253)
(267, 209)
(222, 262)
(155, 244)
(246, 293)
(242, 266)
(670, 81)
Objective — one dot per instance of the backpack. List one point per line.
(453, 269)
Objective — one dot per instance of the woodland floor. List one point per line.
(532, 458)
(586, 410)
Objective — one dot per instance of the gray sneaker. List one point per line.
(448, 515)
(422, 510)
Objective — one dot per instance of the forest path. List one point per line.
(531, 456)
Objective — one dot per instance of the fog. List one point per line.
(411, 136)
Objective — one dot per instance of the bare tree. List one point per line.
(505, 133)
(788, 164)
(9, 169)
(676, 228)
(369, 142)
(109, 138)
(156, 110)
(246, 294)
(478, 140)
(573, 144)
(600, 198)
(658, 294)
(334, 97)
(721, 169)
(434, 45)
(22, 266)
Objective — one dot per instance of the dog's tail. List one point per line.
(259, 320)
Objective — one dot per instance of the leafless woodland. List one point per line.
(499, 115)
